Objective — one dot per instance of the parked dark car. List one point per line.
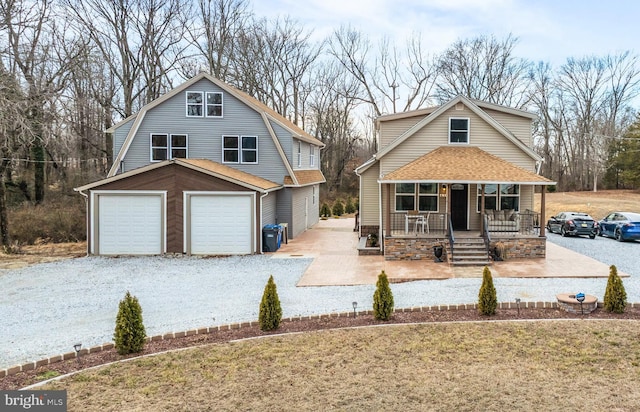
(621, 226)
(573, 223)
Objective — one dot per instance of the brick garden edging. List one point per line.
(201, 331)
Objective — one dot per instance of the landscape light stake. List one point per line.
(518, 305)
(355, 305)
(77, 348)
(580, 298)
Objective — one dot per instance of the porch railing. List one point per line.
(403, 224)
(521, 223)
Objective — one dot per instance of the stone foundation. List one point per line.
(400, 248)
(523, 247)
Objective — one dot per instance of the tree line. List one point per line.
(70, 69)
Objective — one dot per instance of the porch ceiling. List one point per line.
(449, 164)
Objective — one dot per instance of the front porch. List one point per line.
(413, 236)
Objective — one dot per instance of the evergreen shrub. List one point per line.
(382, 298)
(270, 309)
(129, 334)
(615, 297)
(487, 298)
(338, 208)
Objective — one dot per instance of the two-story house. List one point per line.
(201, 170)
(461, 175)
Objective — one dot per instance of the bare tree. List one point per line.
(484, 68)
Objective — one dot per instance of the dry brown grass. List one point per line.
(542, 365)
(597, 204)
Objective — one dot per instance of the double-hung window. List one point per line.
(239, 149)
(312, 155)
(195, 101)
(428, 197)
(458, 130)
(168, 146)
(405, 197)
(214, 104)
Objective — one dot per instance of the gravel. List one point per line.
(47, 308)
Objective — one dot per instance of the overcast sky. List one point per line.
(550, 31)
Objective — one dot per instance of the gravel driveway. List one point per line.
(47, 308)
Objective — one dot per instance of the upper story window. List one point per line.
(198, 107)
(312, 155)
(168, 146)
(299, 153)
(194, 104)
(239, 149)
(214, 104)
(458, 130)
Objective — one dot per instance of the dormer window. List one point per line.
(201, 104)
(458, 130)
(194, 104)
(214, 104)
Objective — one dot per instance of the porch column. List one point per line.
(543, 218)
(387, 214)
(482, 211)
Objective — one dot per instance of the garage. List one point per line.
(129, 223)
(219, 223)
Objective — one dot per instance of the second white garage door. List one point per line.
(220, 224)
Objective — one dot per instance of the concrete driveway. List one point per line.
(333, 245)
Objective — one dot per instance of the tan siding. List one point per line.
(392, 129)
(519, 126)
(369, 200)
(435, 134)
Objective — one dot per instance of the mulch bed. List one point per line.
(23, 379)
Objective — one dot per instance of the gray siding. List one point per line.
(205, 133)
(286, 140)
(303, 219)
(120, 135)
(283, 211)
(269, 205)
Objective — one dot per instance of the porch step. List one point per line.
(470, 251)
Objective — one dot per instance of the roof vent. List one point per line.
(459, 106)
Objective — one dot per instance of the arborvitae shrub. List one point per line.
(382, 298)
(349, 207)
(129, 333)
(487, 299)
(325, 210)
(338, 208)
(270, 310)
(615, 297)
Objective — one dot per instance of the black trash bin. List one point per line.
(271, 238)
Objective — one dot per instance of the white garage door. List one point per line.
(130, 224)
(221, 224)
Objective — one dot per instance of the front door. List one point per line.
(459, 206)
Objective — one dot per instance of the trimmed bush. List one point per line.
(338, 208)
(349, 207)
(487, 299)
(325, 210)
(270, 310)
(382, 298)
(130, 333)
(615, 297)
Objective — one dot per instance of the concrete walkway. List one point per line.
(333, 245)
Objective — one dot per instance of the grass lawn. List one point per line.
(539, 365)
(598, 204)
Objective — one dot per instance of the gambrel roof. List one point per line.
(268, 115)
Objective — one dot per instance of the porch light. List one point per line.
(355, 305)
(443, 190)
